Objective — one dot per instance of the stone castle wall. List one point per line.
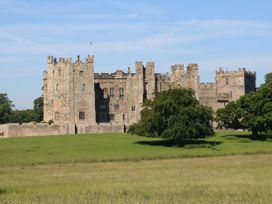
(81, 101)
(15, 130)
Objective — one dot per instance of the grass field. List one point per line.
(120, 147)
(120, 168)
(230, 179)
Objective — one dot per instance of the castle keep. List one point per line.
(79, 100)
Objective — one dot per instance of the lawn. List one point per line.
(230, 179)
(121, 168)
(121, 147)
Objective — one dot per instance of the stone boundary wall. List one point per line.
(17, 130)
(101, 128)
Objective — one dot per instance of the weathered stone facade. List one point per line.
(81, 101)
(74, 94)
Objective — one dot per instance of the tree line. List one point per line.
(8, 115)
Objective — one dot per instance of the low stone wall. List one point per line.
(15, 130)
(3, 130)
(105, 128)
(18, 130)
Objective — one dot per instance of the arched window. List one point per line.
(84, 87)
(57, 87)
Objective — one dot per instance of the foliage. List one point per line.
(5, 107)
(29, 115)
(38, 109)
(252, 111)
(22, 116)
(175, 115)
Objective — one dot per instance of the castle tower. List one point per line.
(149, 80)
(69, 91)
(231, 85)
(192, 78)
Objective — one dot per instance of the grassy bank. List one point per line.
(230, 179)
(121, 147)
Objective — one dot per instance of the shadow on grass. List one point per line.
(184, 143)
(261, 137)
(3, 191)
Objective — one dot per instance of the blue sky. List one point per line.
(212, 33)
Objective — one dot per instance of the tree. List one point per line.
(38, 109)
(29, 115)
(174, 115)
(22, 116)
(252, 111)
(5, 107)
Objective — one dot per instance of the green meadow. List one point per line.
(122, 147)
(120, 168)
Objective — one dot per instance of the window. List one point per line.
(121, 92)
(81, 73)
(116, 107)
(81, 115)
(227, 81)
(112, 92)
(105, 92)
(57, 87)
(230, 94)
(111, 116)
(103, 108)
(84, 87)
(133, 108)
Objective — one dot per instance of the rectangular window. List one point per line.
(111, 116)
(81, 115)
(121, 92)
(112, 92)
(80, 73)
(105, 92)
(116, 107)
(103, 108)
(133, 108)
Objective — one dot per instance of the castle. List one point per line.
(81, 101)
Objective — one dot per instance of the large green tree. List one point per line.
(174, 115)
(252, 111)
(5, 107)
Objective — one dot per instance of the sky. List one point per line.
(213, 33)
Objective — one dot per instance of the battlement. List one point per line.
(192, 67)
(52, 60)
(117, 74)
(150, 64)
(244, 71)
(177, 67)
(208, 85)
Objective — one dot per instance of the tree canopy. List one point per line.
(5, 107)
(174, 115)
(252, 111)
